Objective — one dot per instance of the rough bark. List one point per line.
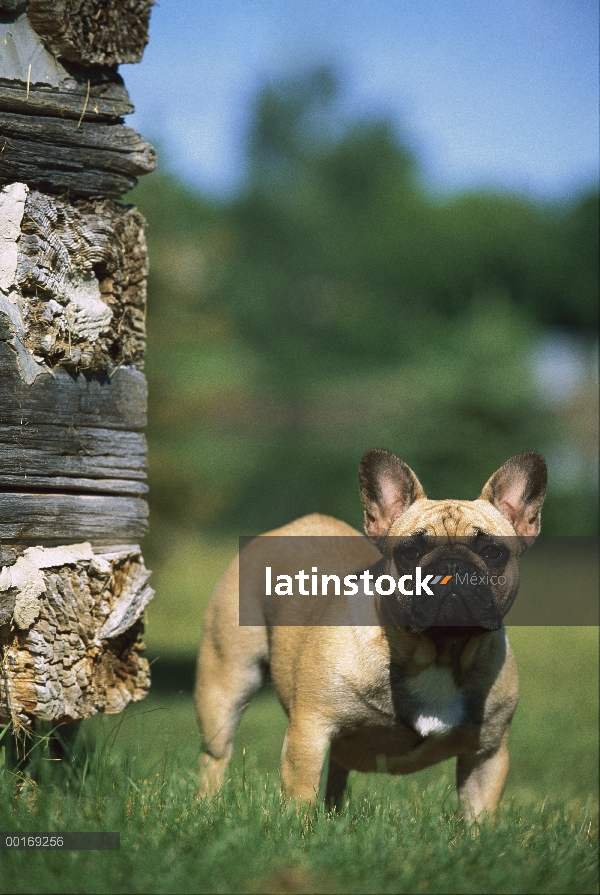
(78, 288)
(70, 629)
(93, 32)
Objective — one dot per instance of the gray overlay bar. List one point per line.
(60, 841)
(554, 581)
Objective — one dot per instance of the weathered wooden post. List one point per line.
(73, 586)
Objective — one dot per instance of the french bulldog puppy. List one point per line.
(415, 678)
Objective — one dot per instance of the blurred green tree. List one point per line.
(334, 305)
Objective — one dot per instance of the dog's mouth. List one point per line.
(452, 611)
(457, 607)
(447, 632)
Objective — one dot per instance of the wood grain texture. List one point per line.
(117, 138)
(34, 82)
(54, 518)
(106, 101)
(62, 156)
(93, 32)
(60, 241)
(33, 453)
(66, 458)
(65, 172)
(105, 485)
(82, 655)
(89, 400)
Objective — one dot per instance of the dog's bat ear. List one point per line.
(517, 490)
(387, 488)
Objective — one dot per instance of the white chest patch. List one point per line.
(439, 704)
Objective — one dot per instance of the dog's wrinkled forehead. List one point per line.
(451, 518)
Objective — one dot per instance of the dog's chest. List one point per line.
(434, 705)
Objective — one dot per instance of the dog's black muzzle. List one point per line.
(462, 596)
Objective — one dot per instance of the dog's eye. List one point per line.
(491, 551)
(409, 554)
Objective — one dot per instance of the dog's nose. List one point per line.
(452, 567)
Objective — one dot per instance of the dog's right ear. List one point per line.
(387, 488)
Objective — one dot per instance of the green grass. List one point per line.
(391, 836)
(248, 841)
(136, 774)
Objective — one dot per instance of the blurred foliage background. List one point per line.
(334, 305)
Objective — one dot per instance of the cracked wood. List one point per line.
(82, 653)
(93, 32)
(61, 155)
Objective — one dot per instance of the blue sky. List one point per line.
(500, 93)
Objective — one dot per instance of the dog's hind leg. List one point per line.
(337, 778)
(223, 690)
(232, 666)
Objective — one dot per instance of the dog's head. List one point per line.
(457, 560)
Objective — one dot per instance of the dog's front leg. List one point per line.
(481, 780)
(303, 756)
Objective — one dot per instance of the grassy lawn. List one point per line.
(136, 775)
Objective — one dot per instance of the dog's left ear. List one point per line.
(517, 490)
